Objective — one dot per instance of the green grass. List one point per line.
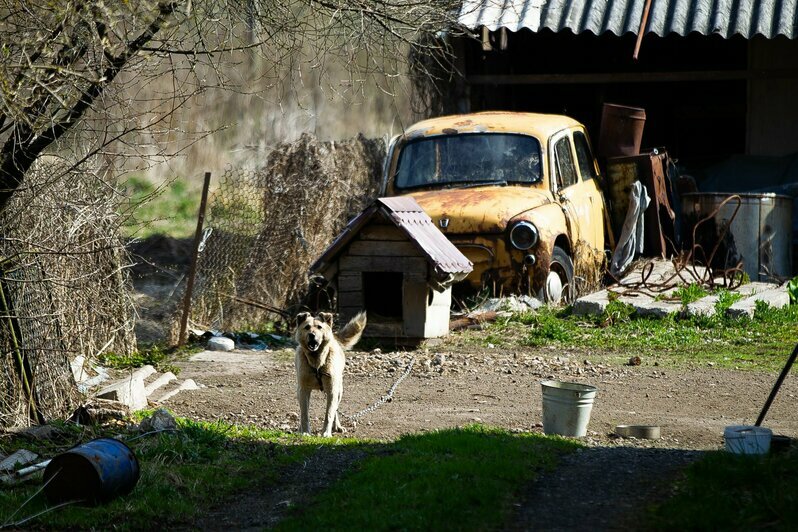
(466, 475)
(168, 209)
(160, 357)
(689, 293)
(759, 343)
(457, 478)
(182, 473)
(731, 492)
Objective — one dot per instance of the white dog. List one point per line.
(320, 363)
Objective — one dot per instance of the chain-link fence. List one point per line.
(265, 227)
(63, 290)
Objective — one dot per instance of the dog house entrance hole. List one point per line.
(383, 293)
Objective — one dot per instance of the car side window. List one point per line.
(583, 156)
(566, 170)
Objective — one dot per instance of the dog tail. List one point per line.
(350, 334)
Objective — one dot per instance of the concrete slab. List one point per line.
(776, 297)
(20, 458)
(173, 390)
(631, 291)
(129, 391)
(158, 382)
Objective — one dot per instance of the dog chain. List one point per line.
(382, 400)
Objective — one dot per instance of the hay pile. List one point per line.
(269, 225)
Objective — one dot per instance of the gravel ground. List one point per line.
(604, 487)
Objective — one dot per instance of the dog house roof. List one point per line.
(449, 265)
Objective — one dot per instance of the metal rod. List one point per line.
(641, 31)
(192, 270)
(776, 386)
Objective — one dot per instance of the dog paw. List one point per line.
(327, 434)
(342, 430)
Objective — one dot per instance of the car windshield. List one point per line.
(469, 159)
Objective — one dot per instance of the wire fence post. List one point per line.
(192, 271)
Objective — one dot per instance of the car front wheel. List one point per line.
(559, 286)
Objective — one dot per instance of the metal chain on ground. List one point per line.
(382, 400)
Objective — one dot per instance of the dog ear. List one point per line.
(327, 318)
(302, 316)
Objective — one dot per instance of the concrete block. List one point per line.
(657, 309)
(221, 343)
(775, 297)
(160, 381)
(143, 372)
(594, 303)
(703, 307)
(20, 458)
(128, 391)
(187, 384)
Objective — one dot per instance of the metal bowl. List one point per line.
(645, 432)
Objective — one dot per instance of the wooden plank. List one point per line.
(382, 232)
(350, 299)
(350, 282)
(383, 248)
(383, 264)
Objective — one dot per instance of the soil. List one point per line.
(603, 487)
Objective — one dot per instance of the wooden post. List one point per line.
(192, 270)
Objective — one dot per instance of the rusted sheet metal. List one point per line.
(448, 263)
(483, 209)
(726, 18)
(535, 124)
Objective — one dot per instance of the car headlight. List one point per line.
(524, 235)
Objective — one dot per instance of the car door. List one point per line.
(568, 190)
(588, 171)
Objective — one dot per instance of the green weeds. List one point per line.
(743, 343)
(170, 208)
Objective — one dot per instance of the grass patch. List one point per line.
(158, 356)
(437, 481)
(724, 491)
(167, 209)
(182, 473)
(421, 481)
(743, 343)
(689, 293)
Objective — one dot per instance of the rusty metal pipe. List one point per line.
(640, 32)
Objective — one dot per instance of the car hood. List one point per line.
(478, 210)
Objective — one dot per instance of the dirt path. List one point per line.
(603, 487)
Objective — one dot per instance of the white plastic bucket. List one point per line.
(747, 439)
(566, 407)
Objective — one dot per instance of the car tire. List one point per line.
(559, 286)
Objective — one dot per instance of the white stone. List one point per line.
(221, 343)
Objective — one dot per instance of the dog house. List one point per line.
(392, 261)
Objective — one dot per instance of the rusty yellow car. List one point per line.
(517, 193)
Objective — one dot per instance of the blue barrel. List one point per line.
(92, 472)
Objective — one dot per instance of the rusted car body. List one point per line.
(516, 192)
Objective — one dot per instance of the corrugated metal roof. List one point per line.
(448, 263)
(708, 17)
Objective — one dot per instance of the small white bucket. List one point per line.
(747, 439)
(566, 407)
